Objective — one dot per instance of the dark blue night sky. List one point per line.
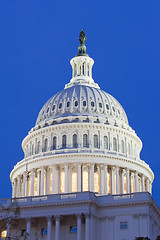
(37, 41)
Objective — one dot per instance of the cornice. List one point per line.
(78, 155)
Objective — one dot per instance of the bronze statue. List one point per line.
(82, 37)
(82, 47)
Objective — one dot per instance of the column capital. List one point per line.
(57, 217)
(123, 171)
(49, 218)
(87, 215)
(105, 165)
(28, 219)
(79, 215)
(113, 168)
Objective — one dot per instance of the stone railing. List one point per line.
(79, 196)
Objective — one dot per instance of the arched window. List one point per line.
(75, 70)
(109, 182)
(64, 141)
(88, 69)
(83, 67)
(114, 144)
(38, 147)
(125, 184)
(54, 143)
(132, 183)
(85, 140)
(62, 181)
(95, 141)
(96, 181)
(85, 180)
(105, 142)
(74, 140)
(74, 181)
(46, 145)
(122, 146)
(35, 185)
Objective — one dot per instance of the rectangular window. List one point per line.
(123, 225)
(44, 231)
(4, 234)
(23, 232)
(73, 229)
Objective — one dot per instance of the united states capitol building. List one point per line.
(82, 177)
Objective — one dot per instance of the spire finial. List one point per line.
(82, 47)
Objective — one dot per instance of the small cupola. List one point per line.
(82, 65)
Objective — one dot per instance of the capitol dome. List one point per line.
(81, 141)
(82, 100)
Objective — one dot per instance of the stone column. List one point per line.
(147, 183)
(57, 230)
(113, 180)
(102, 179)
(14, 188)
(143, 183)
(92, 177)
(38, 182)
(79, 227)
(79, 178)
(54, 180)
(66, 177)
(32, 183)
(23, 185)
(42, 180)
(26, 184)
(50, 142)
(136, 181)
(47, 185)
(28, 230)
(18, 186)
(49, 228)
(87, 227)
(122, 176)
(128, 180)
(105, 180)
(8, 228)
(117, 180)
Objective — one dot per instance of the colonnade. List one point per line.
(69, 177)
(57, 219)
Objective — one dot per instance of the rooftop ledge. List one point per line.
(86, 197)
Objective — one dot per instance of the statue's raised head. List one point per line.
(82, 37)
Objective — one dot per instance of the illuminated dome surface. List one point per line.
(81, 100)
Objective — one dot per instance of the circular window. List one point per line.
(68, 103)
(84, 103)
(60, 105)
(107, 106)
(53, 108)
(76, 103)
(92, 104)
(47, 109)
(113, 109)
(100, 104)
